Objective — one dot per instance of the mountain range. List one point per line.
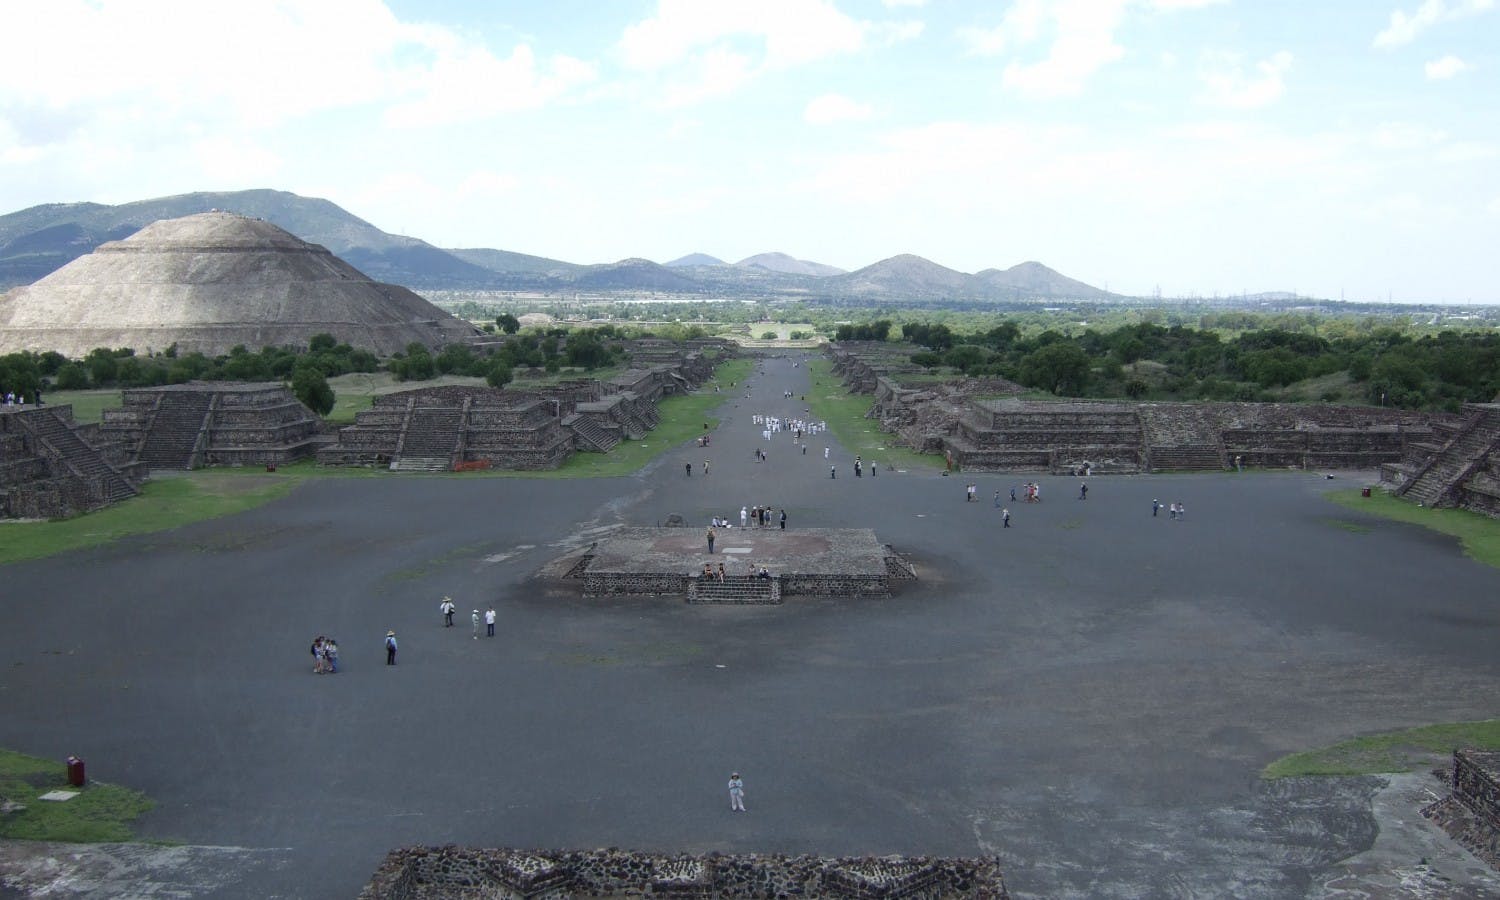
(38, 240)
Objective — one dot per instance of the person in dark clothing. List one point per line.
(783, 520)
(390, 648)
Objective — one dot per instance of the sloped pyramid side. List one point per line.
(209, 282)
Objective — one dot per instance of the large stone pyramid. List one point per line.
(208, 282)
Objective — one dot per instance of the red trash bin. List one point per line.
(1364, 492)
(75, 772)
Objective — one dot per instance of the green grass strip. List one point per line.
(88, 406)
(845, 414)
(163, 504)
(1407, 750)
(101, 812)
(1479, 535)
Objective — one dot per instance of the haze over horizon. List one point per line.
(1191, 147)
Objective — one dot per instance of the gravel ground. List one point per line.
(1090, 695)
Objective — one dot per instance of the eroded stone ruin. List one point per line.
(52, 467)
(203, 423)
(441, 873)
(1470, 814)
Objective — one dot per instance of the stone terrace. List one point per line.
(1471, 813)
(438, 873)
(52, 468)
(437, 428)
(184, 426)
(801, 562)
(1458, 465)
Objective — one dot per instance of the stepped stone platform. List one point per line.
(52, 468)
(839, 562)
(439, 873)
(214, 423)
(1471, 813)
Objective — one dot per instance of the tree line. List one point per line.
(1147, 361)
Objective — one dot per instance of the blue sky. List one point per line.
(1188, 146)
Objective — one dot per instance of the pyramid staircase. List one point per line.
(734, 589)
(1187, 457)
(1435, 483)
(431, 439)
(590, 435)
(85, 461)
(175, 433)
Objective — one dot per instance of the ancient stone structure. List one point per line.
(205, 423)
(439, 873)
(51, 467)
(209, 282)
(1459, 465)
(802, 562)
(1471, 812)
(982, 428)
(438, 428)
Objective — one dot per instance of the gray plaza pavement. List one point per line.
(1090, 694)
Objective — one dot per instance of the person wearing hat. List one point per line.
(447, 608)
(390, 648)
(475, 619)
(736, 793)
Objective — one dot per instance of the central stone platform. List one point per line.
(801, 562)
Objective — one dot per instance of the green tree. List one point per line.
(1060, 367)
(508, 323)
(312, 389)
(499, 375)
(72, 377)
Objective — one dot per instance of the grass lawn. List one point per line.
(1394, 751)
(164, 503)
(101, 812)
(88, 406)
(357, 391)
(1480, 535)
(845, 415)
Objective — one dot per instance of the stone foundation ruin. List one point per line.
(822, 562)
(983, 427)
(1471, 813)
(1459, 465)
(440, 873)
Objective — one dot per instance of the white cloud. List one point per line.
(467, 82)
(1404, 28)
(895, 4)
(705, 49)
(1407, 136)
(1080, 35)
(1467, 151)
(831, 108)
(1171, 5)
(1227, 83)
(1445, 68)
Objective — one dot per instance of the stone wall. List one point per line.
(49, 469)
(434, 873)
(1471, 813)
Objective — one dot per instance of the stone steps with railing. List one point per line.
(590, 435)
(87, 461)
(173, 431)
(734, 589)
(1432, 484)
(1187, 457)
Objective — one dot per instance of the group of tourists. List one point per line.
(14, 399)
(325, 654)
(1175, 509)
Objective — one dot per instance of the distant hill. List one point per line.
(1032, 279)
(695, 259)
(780, 262)
(635, 275)
(908, 275)
(37, 241)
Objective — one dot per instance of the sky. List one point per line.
(1339, 148)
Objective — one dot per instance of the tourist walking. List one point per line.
(783, 520)
(705, 468)
(832, 472)
(736, 793)
(689, 469)
(1005, 518)
(825, 452)
(711, 537)
(489, 621)
(997, 499)
(390, 648)
(744, 516)
(475, 620)
(447, 608)
(1155, 507)
(1083, 492)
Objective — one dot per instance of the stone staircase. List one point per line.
(1186, 457)
(590, 435)
(88, 462)
(432, 438)
(734, 589)
(172, 436)
(1433, 484)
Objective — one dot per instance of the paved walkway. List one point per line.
(1089, 694)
